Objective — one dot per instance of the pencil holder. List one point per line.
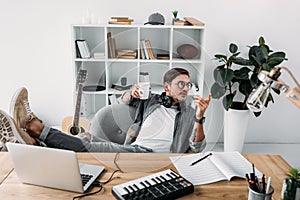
(254, 195)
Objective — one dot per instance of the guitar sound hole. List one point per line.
(76, 130)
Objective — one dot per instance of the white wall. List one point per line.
(35, 50)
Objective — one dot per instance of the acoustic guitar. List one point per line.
(75, 125)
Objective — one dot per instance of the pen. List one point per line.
(264, 183)
(200, 159)
(268, 184)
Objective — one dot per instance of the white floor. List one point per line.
(290, 152)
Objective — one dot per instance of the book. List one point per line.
(111, 46)
(142, 51)
(99, 55)
(163, 56)
(118, 22)
(121, 19)
(220, 166)
(194, 22)
(145, 49)
(121, 87)
(149, 49)
(83, 49)
(180, 23)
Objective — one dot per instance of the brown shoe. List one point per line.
(9, 132)
(20, 109)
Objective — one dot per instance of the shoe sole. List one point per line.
(8, 130)
(14, 100)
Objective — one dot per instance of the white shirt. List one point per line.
(157, 130)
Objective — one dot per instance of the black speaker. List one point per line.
(165, 100)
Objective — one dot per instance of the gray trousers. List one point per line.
(56, 139)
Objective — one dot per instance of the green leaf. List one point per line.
(279, 54)
(261, 40)
(257, 56)
(227, 75)
(245, 87)
(217, 91)
(242, 73)
(255, 82)
(227, 100)
(270, 98)
(233, 48)
(221, 57)
(217, 75)
(264, 53)
(241, 61)
(266, 67)
(273, 62)
(256, 114)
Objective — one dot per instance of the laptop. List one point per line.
(54, 168)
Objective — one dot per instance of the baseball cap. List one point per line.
(156, 19)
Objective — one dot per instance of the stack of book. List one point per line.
(82, 49)
(121, 87)
(193, 21)
(120, 20)
(146, 50)
(126, 53)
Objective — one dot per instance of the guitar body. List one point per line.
(67, 125)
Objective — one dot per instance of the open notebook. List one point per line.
(51, 167)
(220, 166)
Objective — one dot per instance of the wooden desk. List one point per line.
(139, 165)
(6, 166)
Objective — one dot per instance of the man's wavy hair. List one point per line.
(173, 73)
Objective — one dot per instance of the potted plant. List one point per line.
(292, 183)
(175, 13)
(235, 78)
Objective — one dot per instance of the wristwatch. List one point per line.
(200, 121)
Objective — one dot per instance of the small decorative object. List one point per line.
(175, 13)
(187, 51)
(292, 183)
(123, 81)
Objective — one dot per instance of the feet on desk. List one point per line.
(20, 109)
(9, 132)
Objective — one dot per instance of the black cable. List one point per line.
(91, 193)
(110, 178)
(115, 162)
(100, 184)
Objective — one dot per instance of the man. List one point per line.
(180, 128)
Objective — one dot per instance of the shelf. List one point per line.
(164, 39)
(89, 60)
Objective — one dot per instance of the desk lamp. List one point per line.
(258, 97)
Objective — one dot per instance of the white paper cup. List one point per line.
(144, 90)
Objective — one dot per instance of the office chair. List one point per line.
(112, 122)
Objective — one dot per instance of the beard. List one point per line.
(181, 96)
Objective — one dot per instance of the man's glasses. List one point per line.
(182, 84)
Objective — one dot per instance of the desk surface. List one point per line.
(136, 165)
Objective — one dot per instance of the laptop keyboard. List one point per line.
(85, 178)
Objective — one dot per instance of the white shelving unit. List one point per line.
(164, 39)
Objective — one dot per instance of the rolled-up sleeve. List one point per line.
(197, 147)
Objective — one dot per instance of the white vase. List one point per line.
(235, 128)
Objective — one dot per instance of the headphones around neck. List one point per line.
(165, 100)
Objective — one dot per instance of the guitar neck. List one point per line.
(77, 107)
